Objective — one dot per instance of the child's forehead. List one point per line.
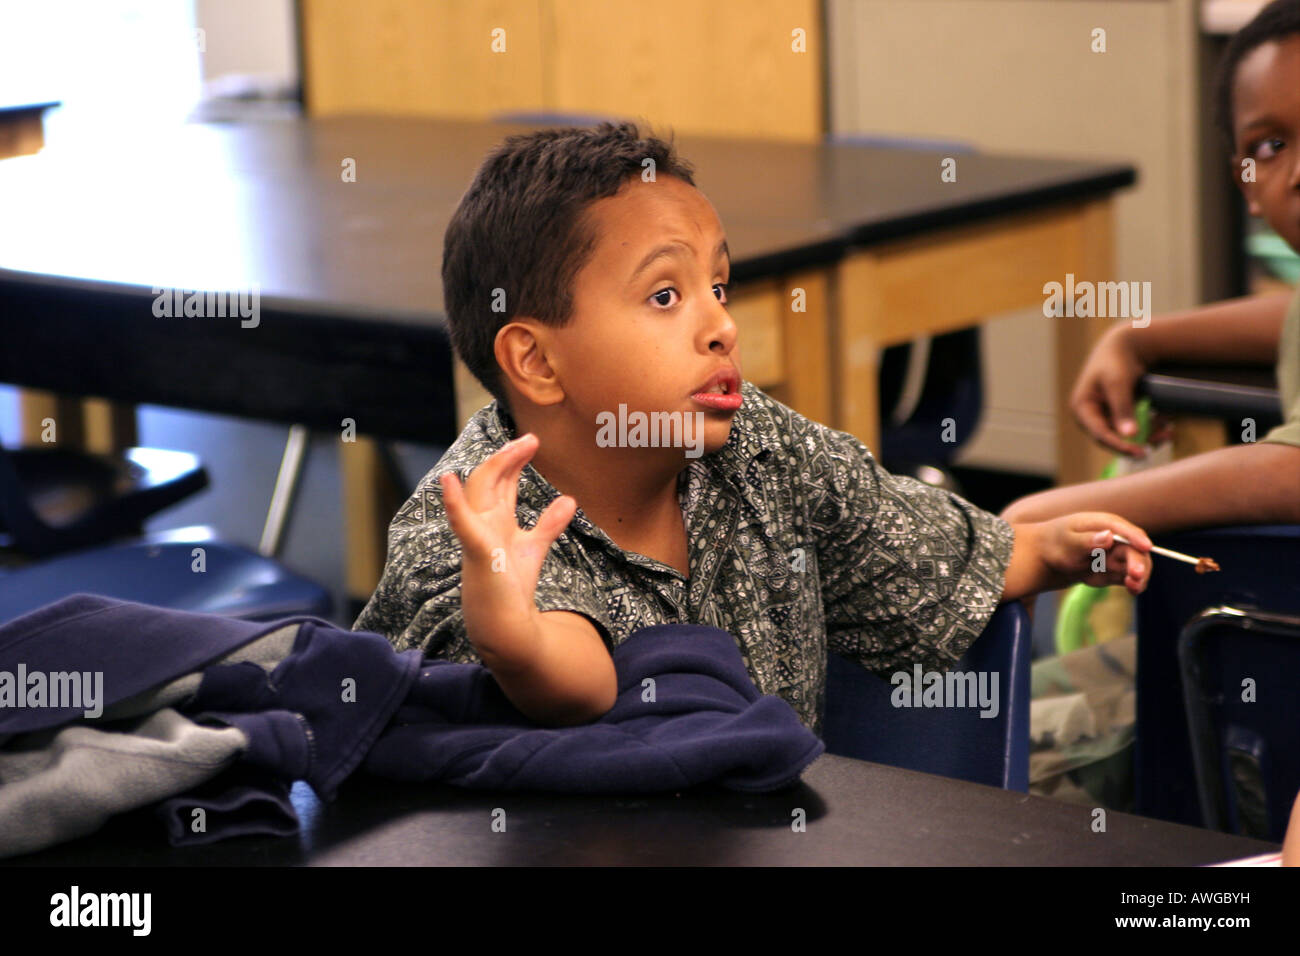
(645, 214)
(1268, 77)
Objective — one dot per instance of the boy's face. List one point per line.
(650, 326)
(1266, 128)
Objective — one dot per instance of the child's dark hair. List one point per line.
(1279, 19)
(521, 229)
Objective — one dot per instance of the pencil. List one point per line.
(1202, 564)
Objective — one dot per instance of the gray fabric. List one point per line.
(266, 652)
(59, 784)
(63, 783)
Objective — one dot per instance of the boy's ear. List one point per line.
(1246, 183)
(521, 348)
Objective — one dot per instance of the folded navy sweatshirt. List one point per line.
(687, 712)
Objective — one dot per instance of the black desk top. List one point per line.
(9, 107)
(1219, 391)
(856, 814)
(349, 273)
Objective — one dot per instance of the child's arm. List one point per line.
(1291, 842)
(1244, 484)
(552, 665)
(1053, 554)
(1239, 330)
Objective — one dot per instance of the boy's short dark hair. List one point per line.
(521, 229)
(1279, 19)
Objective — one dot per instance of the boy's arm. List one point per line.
(567, 677)
(1239, 330)
(552, 665)
(1244, 484)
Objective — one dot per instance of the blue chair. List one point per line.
(1259, 571)
(862, 722)
(55, 500)
(233, 581)
(1240, 673)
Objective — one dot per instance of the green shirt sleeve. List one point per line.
(1288, 378)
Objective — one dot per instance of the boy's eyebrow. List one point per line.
(669, 249)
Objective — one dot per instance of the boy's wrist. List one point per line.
(507, 648)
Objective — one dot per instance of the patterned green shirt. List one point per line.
(798, 542)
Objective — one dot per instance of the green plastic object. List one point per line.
(1074, 615)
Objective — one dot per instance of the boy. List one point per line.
(586, 277)
(1259, 115)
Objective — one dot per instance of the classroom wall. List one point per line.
(1020, 76)
(587, 56)
(248, 37)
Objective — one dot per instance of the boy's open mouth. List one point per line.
(721, 391)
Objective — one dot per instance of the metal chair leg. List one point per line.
(286, 491)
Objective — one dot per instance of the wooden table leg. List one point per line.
(808, 378)
(1078, 457)
(53, 421)
(65, 421)
(856, 348)
(370, 499)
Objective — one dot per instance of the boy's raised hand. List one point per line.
(500, 561)
(1081, 547)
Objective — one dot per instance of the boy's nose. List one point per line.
(721, 329)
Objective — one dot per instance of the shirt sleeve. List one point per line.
(910, 573)
(1288, 378)
(417, 603)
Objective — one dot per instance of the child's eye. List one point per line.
(723, 286)
(668, 291)
(1267, 148)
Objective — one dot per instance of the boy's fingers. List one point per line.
(510, 481)
(460, 515)
(1135, 535)
(555, 519)
(484, 487)
(1104, 526)
(1137, 573)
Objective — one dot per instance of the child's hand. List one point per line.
(1081, 548)
(1102, 398)
(500, 561)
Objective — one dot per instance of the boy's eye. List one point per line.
(664, 296)
(670, 291)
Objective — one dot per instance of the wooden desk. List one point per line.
(857, 814)
(22, 128)
(868, 239)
